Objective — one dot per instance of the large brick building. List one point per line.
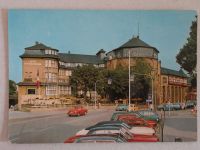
(46, 72)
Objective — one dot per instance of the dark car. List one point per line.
(109, 123)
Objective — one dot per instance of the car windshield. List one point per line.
(126, 133)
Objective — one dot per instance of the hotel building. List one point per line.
(46, 72)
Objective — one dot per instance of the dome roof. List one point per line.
(135, 42)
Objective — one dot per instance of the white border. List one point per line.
(82, 4)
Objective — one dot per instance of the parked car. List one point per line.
(96, 138)
(190, 104)
(148, 115)
(77, 111)
(119, 131)
(177, 106)
(116, 114)
(134, 130)
(132, 120)
(160, 107)
(125, 133)
(170, 106)
(122, 107)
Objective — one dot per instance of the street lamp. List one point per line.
(129, 80)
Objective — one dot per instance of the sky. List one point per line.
(87, 31)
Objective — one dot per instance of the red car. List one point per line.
(129, 137)
(136, 138)
(77, 111)
(133, 120)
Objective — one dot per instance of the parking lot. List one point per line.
(56, 127)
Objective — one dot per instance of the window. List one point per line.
(164, 80)
(51, 63)
(52, 77)
(51, 90)
(66, 90)
(31, 91)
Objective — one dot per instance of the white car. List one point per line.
(133, 130)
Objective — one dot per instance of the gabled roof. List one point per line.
(39, 46)
(100, 51)
(179, 73)
(135, 42)
(79, 58)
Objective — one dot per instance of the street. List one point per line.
(56, 127)
(53, 129)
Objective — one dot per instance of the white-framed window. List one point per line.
(51, 77)
(66, 90)
(51, 52)
(51, 90)
(51, 63)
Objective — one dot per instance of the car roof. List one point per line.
(108, 123)
(105, 128)
(113, 137)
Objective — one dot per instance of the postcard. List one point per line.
(102, 76)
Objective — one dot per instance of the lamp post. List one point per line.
(129, 80)
(95, 96)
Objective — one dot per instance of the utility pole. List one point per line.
(129, 81)
(95, 96)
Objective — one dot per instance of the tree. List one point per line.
(12, 87)
(140, 87)
(187, 56)
(84, 78)
(119, 87)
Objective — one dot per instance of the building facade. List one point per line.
(46, 72)
(138, 49)
(174, 86)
